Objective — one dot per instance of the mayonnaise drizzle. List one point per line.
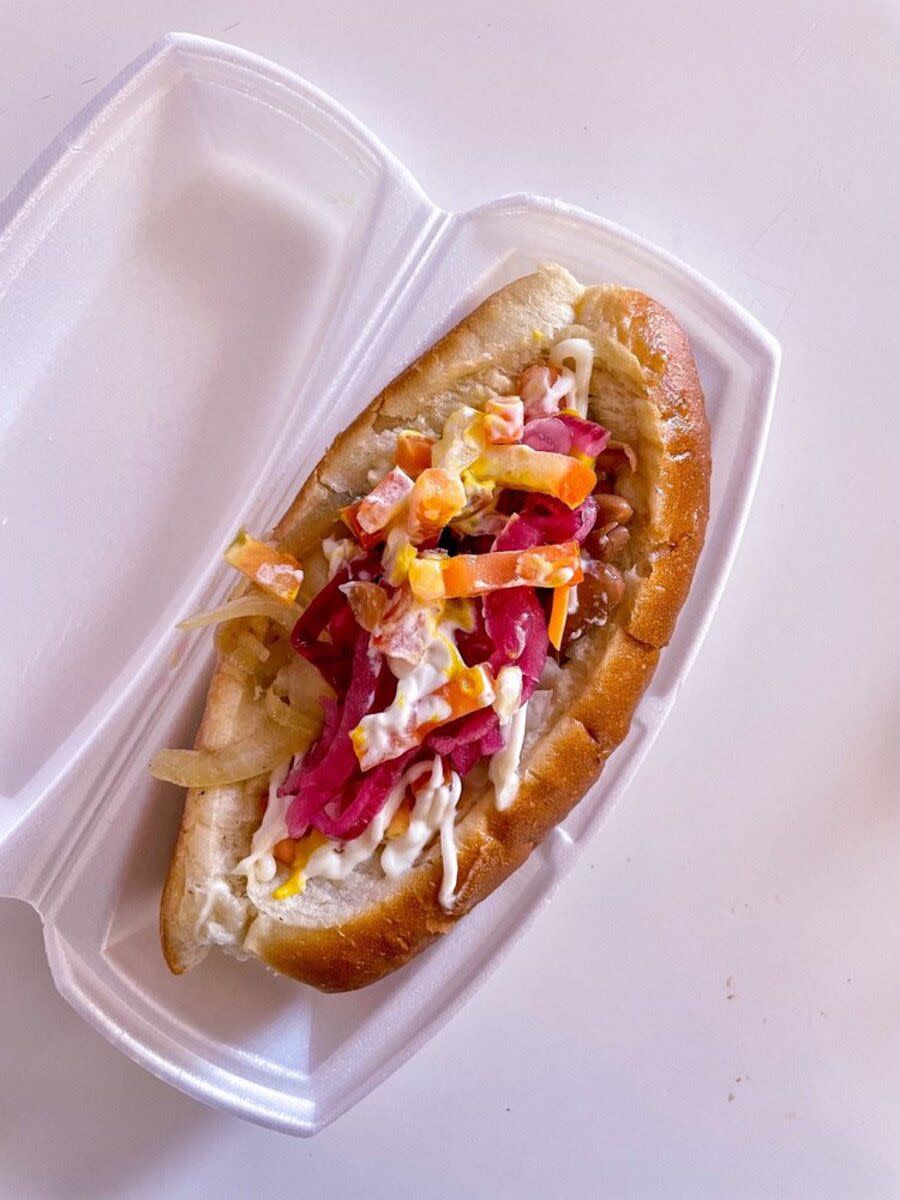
(338, 859)
(434, 812)
(260, 864)
(503, 770)
(435, 809)
(562, 387)
(507, 693)
(582, 352)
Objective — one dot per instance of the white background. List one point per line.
(711, 1004)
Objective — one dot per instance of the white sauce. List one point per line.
(435, 809)
(581, 351)
(508, 689)
(563, 386)
(381, 730)
(503, 770)
(338, 859)
(449, 858)
(377, 472)
(260, 864)
(434, 812)
(433, 709)
(573, 599)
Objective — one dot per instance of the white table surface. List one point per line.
(711, 1004)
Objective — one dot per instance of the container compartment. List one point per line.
(202, 283)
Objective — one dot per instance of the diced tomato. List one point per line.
(405, 628)
(414, 451)
(366, 540)
(504, 420)
(537, 471)
(276, 573)
(384, 502)
(437, 497)
(477, 574)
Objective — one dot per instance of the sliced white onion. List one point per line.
(231, 764)
(246, 606)
(289, 718)
(254, 648)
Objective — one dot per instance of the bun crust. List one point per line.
(645, 389)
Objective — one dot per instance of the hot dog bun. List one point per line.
(645, 389)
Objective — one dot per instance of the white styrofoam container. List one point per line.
(204, 278)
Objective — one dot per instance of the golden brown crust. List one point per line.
(685, 463)
(207, 813)
(614, 665)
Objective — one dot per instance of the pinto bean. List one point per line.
(612, 510)
(614, 543)
(598, 594)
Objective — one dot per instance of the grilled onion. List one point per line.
(231, 764)
(251, 605)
